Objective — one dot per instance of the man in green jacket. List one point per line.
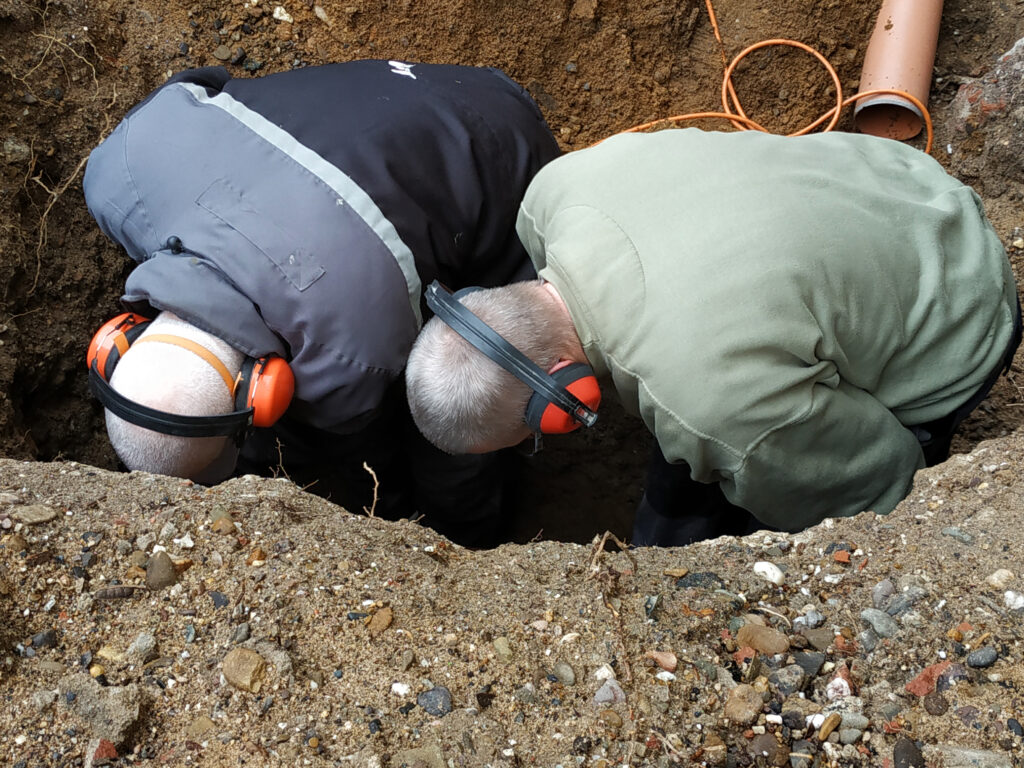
(802, 322)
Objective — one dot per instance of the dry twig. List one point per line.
(376, 484)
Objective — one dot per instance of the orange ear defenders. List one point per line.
(262, 390)
(562, 400)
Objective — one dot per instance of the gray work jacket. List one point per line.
(313, 206)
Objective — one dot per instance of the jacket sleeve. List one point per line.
(846, 454)
(112, 198)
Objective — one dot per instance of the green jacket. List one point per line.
(777, 309)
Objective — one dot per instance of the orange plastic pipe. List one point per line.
(900, 56)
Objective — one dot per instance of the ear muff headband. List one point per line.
(263, 391)
(196, 349)
(494, 346)
(225, 425)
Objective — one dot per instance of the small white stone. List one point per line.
(400, 689)
(281, 14)
(769, 572)
(1014, 600)
(665, 676)
(604, 672)
(999, 579)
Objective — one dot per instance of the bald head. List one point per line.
(176, 380)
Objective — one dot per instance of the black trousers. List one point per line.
(469, 499)
(676, 510)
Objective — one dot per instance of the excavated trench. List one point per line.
(71, 70)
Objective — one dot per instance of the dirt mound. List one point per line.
(253, 621)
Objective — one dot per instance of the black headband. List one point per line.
(232, 424)
(493, 345)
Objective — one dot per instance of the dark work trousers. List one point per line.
(676, 510)
(469, 499)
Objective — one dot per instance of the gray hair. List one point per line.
(462, 400)
(175, 380)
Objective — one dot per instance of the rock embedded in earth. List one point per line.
(240, 633)
(821, 639)
(867, 640)
(767, 749)
(112, 712)
(143, 648)
(906, 754)
(34, 514)
(904, 601)
(743, 705)
(829, 724)
(100, 752)
(762, 639)
(955, 533)
(950, 675)
(564, 673)
(437, 701)
(503, 649)
(610, 693)
(381, 620)
(664, 659)
(881, 593)
(770, 572)
(982, 658)
(244, 669)
(999, 579)
(949, 756)
(526, 693)
(925, 682)
(854, 720)
(812, 619)
(880, 621)
(43, 699)
(160, 572)
(700, 580)
(789, 679)
(935, 703)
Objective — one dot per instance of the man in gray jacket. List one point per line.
(297, 217)
(801, 322)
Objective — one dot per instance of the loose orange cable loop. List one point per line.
(729, 92)
(742, 122)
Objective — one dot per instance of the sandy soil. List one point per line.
(484, 625)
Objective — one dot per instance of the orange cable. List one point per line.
(742, 122)
(714, 26)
